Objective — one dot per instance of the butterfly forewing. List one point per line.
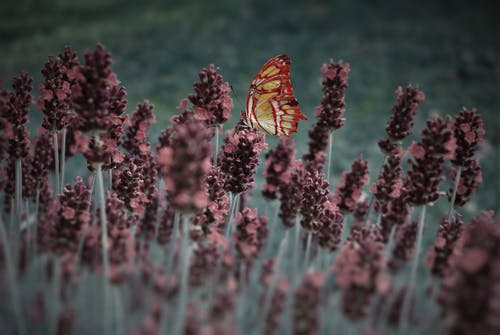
(271, 105)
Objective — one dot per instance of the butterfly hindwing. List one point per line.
(271, 105)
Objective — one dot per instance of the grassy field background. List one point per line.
(450, 49)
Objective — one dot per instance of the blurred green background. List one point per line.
(450, 49)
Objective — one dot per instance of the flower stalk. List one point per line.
(63, 158)
(454, 193)
(405, 310)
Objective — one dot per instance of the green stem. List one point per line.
(454, 194)
(104, 242)
(35, 228)
(16, 229)
(56, 163)
(13, 214)
(12, 281)
(372, 198)
(119, 315)
(110, 177)
(63, 158)
(233, 209)
(233, 199)
(277, 273)
(172, 242)
(329, 156)
(19, 192)
(270, 246)
(295, 272)
(405, 311)
(102, 212)
(218, 128)
(308, 250)
(180, 320)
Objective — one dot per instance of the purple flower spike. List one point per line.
(136, 138)
(73, 215)
(470, 179)
(306, 313)
(60, 74)
(211, 100)
(43, 162)
(404, 245)
(437, 143)
(213, 216)
(389, 184)
(239, 158)
(439, 254)
(469, 131)
(100, 103)
(251, 233)
(16, 113)
(348, 191)
(185, 165)
(278, 167)
(469, 291)
(291, 195)
(403, 112)
(329, 236)
(330, 112)
(315, 194)
(360, 272)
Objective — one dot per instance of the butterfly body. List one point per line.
(271, 106)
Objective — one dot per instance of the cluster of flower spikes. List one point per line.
(120, 240)
(165, 228)
(389, 192)
(331, 222)
(438, 255)
(6, 133)
(278, 168)
(291, 195)
(221, 315)
(330, 112)
(389, 183)
(211, 100)
(61, 74)
(128, 183)
(307, 300)
(361, 271)
(184, 165)
(136, 143)
(402, 252)
(314, 195)
(14, 110)
(212, 218)
(73, 217)
(239, 158)
(43, 162)
(212, 105)
(277, 307)
(203, 263)
(426, 167)
(469, 132)
(469, 290)
(277, 297)
(348, 192)
(401, 121)
(250, 235)
(99, 103)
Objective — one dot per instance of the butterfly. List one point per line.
(271, 106)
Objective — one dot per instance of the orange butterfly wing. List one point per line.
(271, 105)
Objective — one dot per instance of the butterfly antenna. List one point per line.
(236, 97)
